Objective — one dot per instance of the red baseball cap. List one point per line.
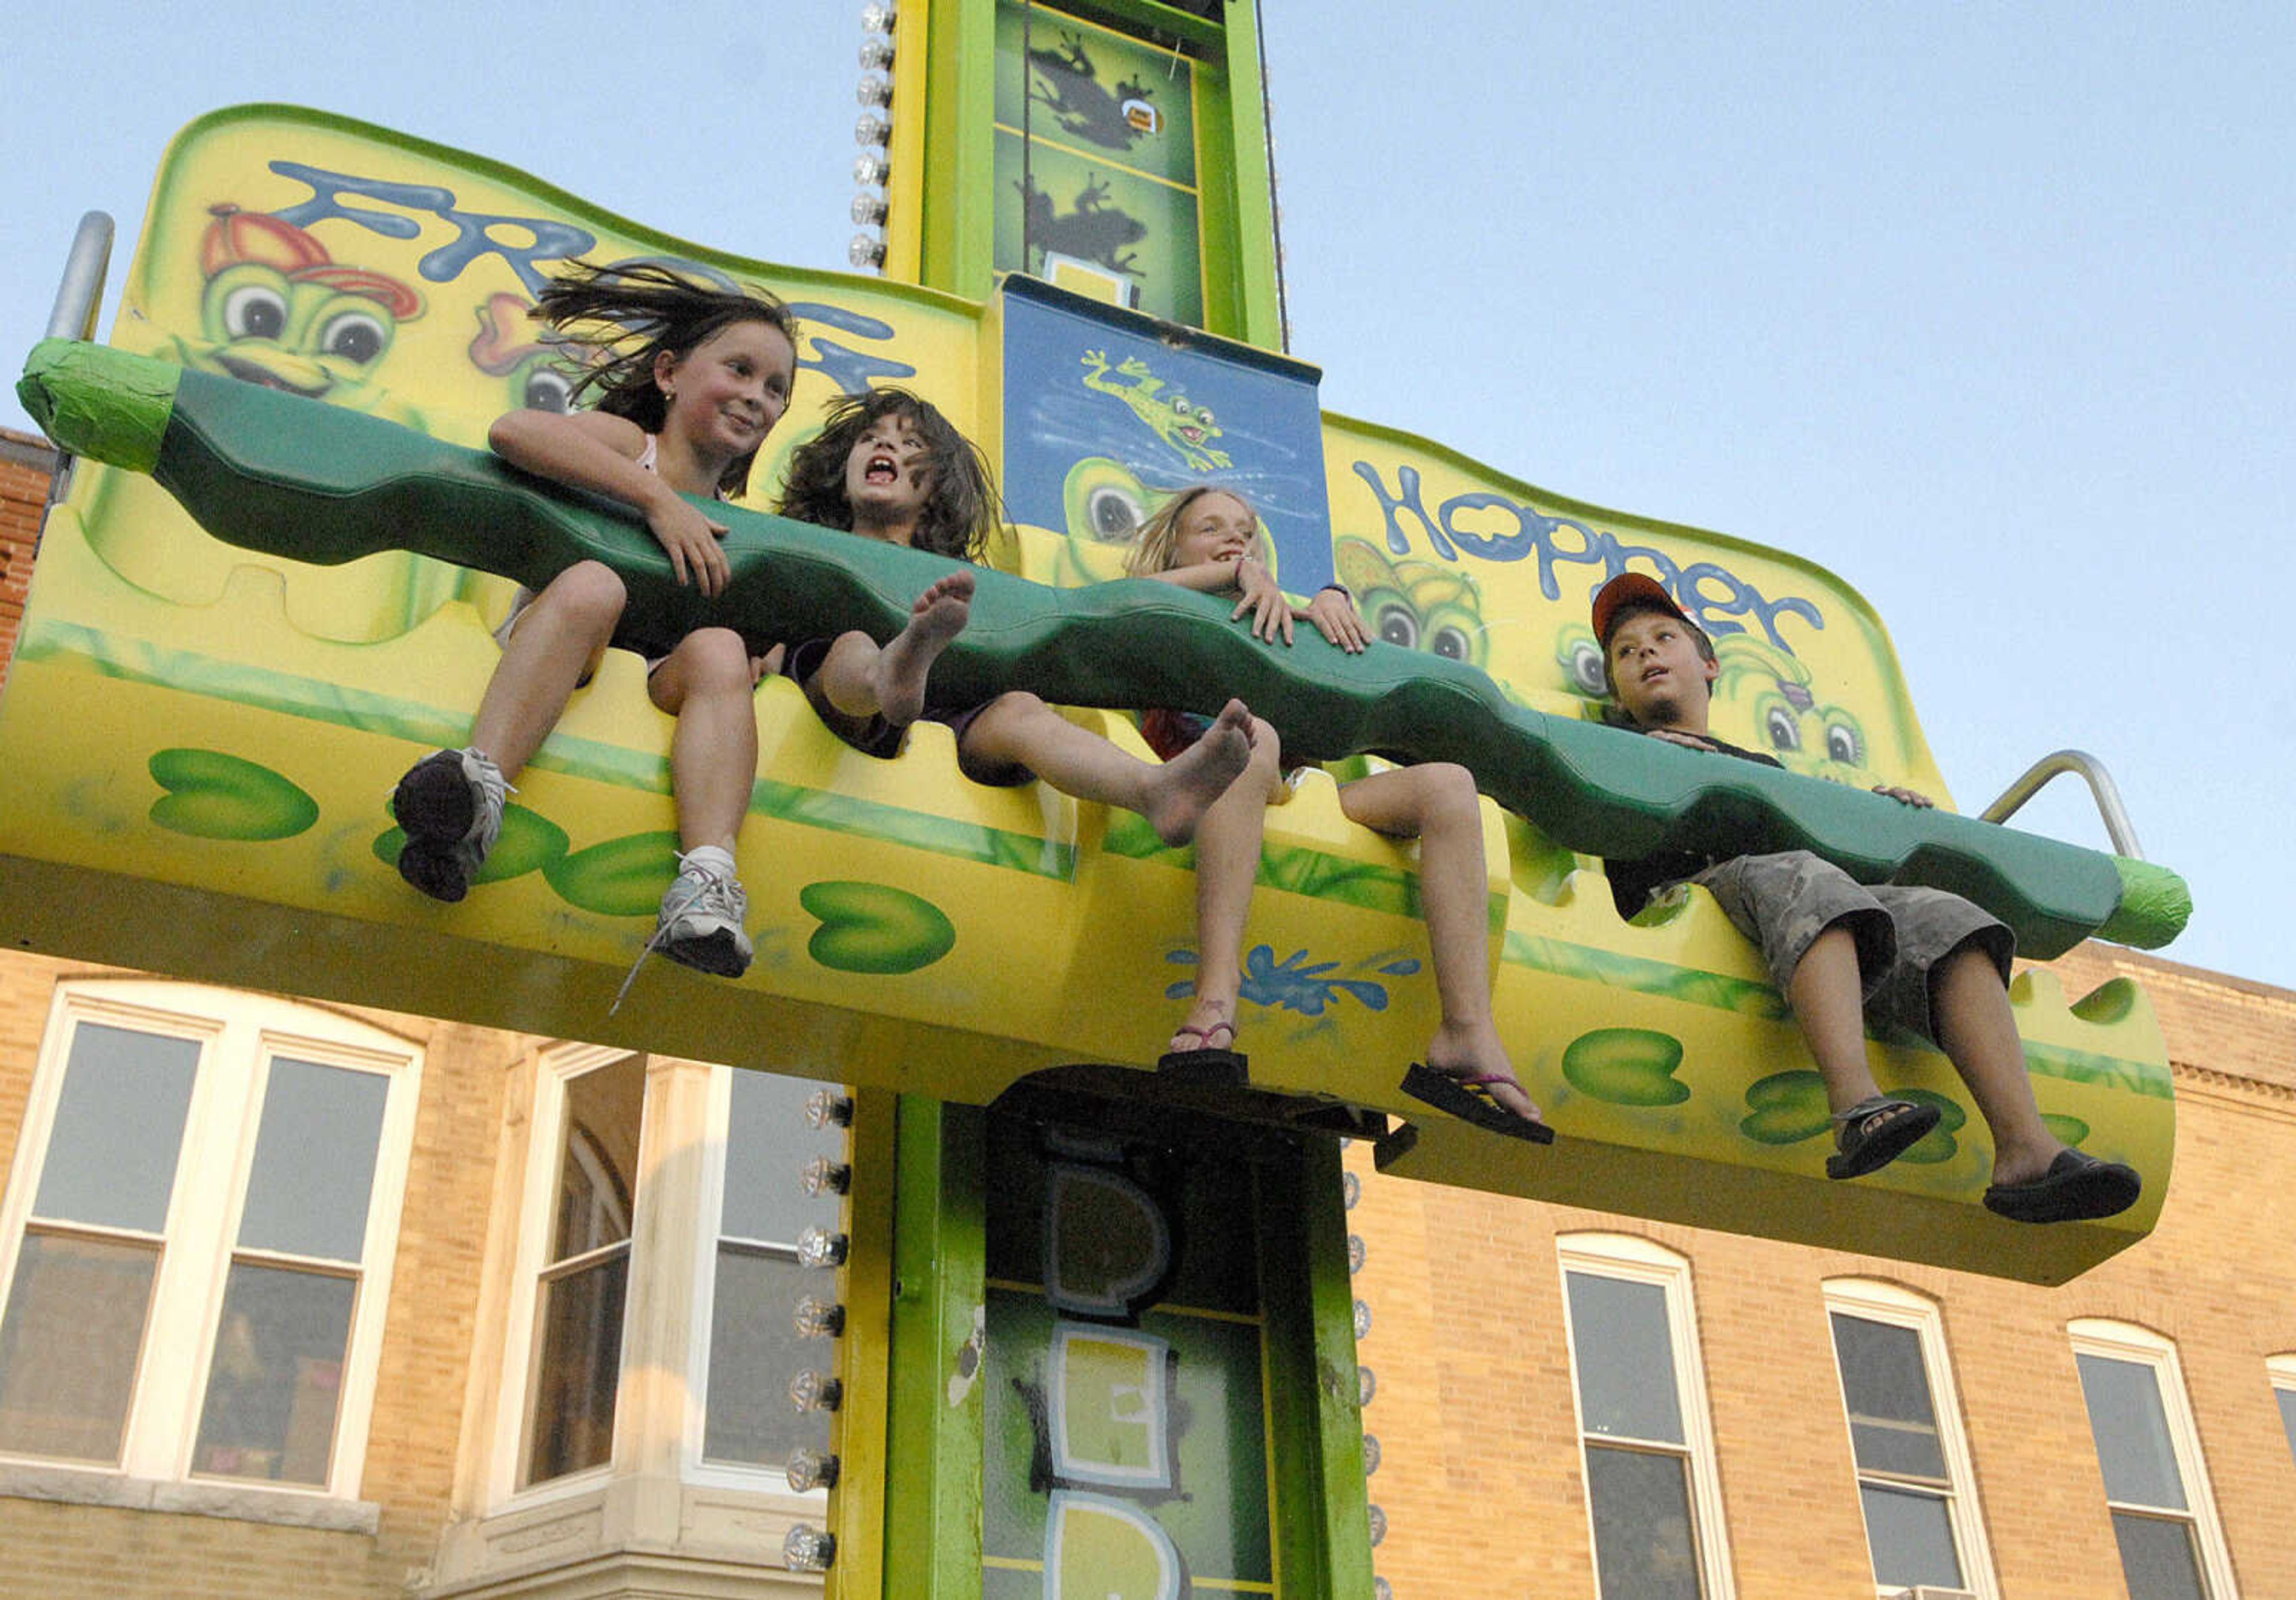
(1635, 588)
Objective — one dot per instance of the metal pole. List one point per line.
(80, 295)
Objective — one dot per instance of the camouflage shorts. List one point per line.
(1784, 902)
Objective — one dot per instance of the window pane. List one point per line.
(1626, 1386)
(276, 1378)
(2158, 1559)
(1643, 1544)
(2287, 1399)
(69, 1343)
(1911, 1536)
(2132, 1433)
(767, 1144)
(1887, 1390)
(598, 1162)
(578, 1366)
(314, 1156)
(754, 1352)
(119, 1124)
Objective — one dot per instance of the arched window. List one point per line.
(2281, 1372)
(1653, 1493)
(1915, 1484)
(2155, 1482)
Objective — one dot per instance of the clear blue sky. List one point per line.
(1986, 308)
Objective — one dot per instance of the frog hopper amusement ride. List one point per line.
(272, 584)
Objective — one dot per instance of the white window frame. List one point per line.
(2126, 1342)
(696, 1467)
(239, 1034)
(537, 1207)
(677, 1212)
(1638, 1260)
(2280, 1374)
(1964, 1514)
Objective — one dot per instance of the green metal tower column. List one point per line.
(1118, 147)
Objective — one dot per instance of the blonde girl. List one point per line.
(1208, 539)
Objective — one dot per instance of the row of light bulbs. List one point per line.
(808, 1549)
(1350, 1192)
(873, 133)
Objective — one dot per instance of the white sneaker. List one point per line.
(700, 927)
(701, 916)
(450, 806)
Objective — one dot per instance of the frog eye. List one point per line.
(1449, 642)
(1784, 732)
(1584, 668)
(358, 336)
(1397, 627)
(1111, 514)
(255, 311)
(547, 390)
(1843, 745)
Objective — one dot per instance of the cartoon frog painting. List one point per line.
(536, 374)
(279, 310)
(275, 308)
(1187, 428)
(1415, 604)
(1765, 691)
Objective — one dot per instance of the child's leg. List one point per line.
(860, 680)
(449, 805)
(1971, 1021)
(1017, 729)
(708, 682)
(1436, 803)
(1827, 995)
(1227, 860)
(557, 638)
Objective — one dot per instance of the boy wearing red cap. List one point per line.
(1843, 952)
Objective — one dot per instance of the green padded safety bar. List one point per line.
(290, 476)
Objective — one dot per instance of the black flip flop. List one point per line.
(1458, 1098)
(2077, 1187)
(1905, 1124)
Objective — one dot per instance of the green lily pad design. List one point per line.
(1939, 1144)
(2107, 1003)
(622, 877)
(1626, 1066)
(874, 928)
(2072, 1130)
(529, 841)
(1785, 1108)
(210, 795)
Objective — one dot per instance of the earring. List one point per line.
(669, 396)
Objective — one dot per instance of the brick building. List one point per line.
(413, 1307)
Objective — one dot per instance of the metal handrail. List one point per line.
(80, 295)
(2101, 786)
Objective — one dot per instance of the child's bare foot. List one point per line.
(1182, 789)
(1209, 1027)
(1478, 1060)
(901, 667)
